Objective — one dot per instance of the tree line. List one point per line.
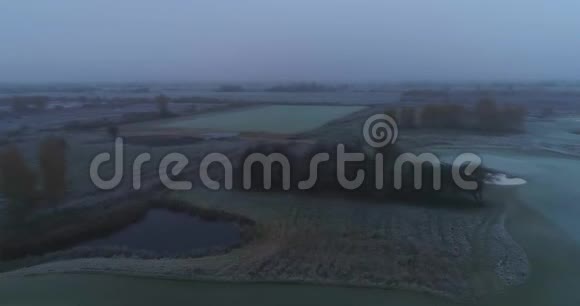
(485, 116)
(21, 185)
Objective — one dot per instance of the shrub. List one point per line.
(404, 116)
(408, 117)
(486, 116)
(162, 105)
(513, 117)
(487, 111)
(17, 180)
(393, 113)
(495, 118)
(52, 156)
(547, 112)
(327, 182)
(113, 131)
(443, 116)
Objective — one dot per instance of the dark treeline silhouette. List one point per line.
(424, 94)
(230, 88)
(195, 99)
(28, 103)
(20, 184)
(52, 156)
(113, 131)
(304, 87)
(547, 112)
(162, 102)
(486, 116)
(17, 180)
(327, 182)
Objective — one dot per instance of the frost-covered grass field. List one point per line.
(551, 250)
(283, 119)
(346, 242)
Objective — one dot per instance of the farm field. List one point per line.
(282, 119)
(415, 254)
(263, 153)
(552, 253)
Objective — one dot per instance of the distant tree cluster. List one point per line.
(113, 131)
(547, 112)
(230, 88)
(28, 103)
(204, 100)
(52, 157)
(328, 181)
(19, 183)
(451, 116)
(163, 105)
(425, 95)
(302, 87)
(499, 119)
(406, 116)
(17, 180)
(486, 116)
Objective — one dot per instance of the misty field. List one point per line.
(282, 119)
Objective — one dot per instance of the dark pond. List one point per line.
(168, 233)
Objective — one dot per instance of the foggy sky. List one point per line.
(273, 40)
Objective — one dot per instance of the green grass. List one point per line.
(282, 119)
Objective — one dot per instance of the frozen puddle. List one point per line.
(501, 179)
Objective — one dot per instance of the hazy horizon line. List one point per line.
(293, 81)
